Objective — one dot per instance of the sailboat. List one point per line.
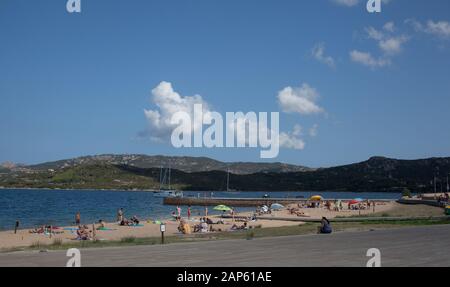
(228, 183)
(166, 192)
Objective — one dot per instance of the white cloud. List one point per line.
(298, 130)
(389, 44)
(348, 3)
(368, 60)
(318, 52)
(389, 26)
(374, 34)
(352, 3)
(314, 130)
(291, 141)
(169, 102)
(300, 100)
(439, 29)
(393, 45)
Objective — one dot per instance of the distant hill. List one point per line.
(186, 164)
(378, 174)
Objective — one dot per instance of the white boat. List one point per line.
(166, 192)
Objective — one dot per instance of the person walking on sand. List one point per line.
(206, 211)
(189, 212)
(77, 218)
(120, 215)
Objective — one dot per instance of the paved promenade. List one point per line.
(417, 246)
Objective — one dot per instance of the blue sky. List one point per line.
(78, 84)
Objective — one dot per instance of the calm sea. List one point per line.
(58, 207)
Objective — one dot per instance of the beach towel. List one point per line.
(106, 229)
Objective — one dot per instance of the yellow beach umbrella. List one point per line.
(316, 197)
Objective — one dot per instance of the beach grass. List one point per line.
(301, 229)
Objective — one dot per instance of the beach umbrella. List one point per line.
(353, 201)
(276, 206)
(316, 197)
(222, 208)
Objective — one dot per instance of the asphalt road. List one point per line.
(418, 246)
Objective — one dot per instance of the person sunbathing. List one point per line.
(203, 227)
(101, 225)
(125, 222)
(37, 230)
(83, 233)
(242, 227)
(301, 214)
(135, 220)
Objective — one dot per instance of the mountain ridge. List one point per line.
(182, 163)
(377, 174)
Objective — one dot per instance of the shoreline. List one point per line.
(278, 222)
(151, 228)
(242, 191)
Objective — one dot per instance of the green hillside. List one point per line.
(376, 175)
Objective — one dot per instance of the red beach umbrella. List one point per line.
(353, 201)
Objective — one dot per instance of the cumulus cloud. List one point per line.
(314, 130)
(389, 43)
(393, 45)
(439, 29)
(168, 102)
(348, 3)
(291, 141)
(300, 100)
(389, 26)
(368, 60)
(352, 3)
(318, 52)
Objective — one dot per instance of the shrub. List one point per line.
(406, 193)
(128, 239)
(57, 242)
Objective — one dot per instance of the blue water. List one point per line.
(58, 207)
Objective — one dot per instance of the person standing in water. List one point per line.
(77, 218)
(179, 212)
(189, 212)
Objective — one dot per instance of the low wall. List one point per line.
(413, 201)
(347, 219)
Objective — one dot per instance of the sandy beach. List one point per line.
(146, 229)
